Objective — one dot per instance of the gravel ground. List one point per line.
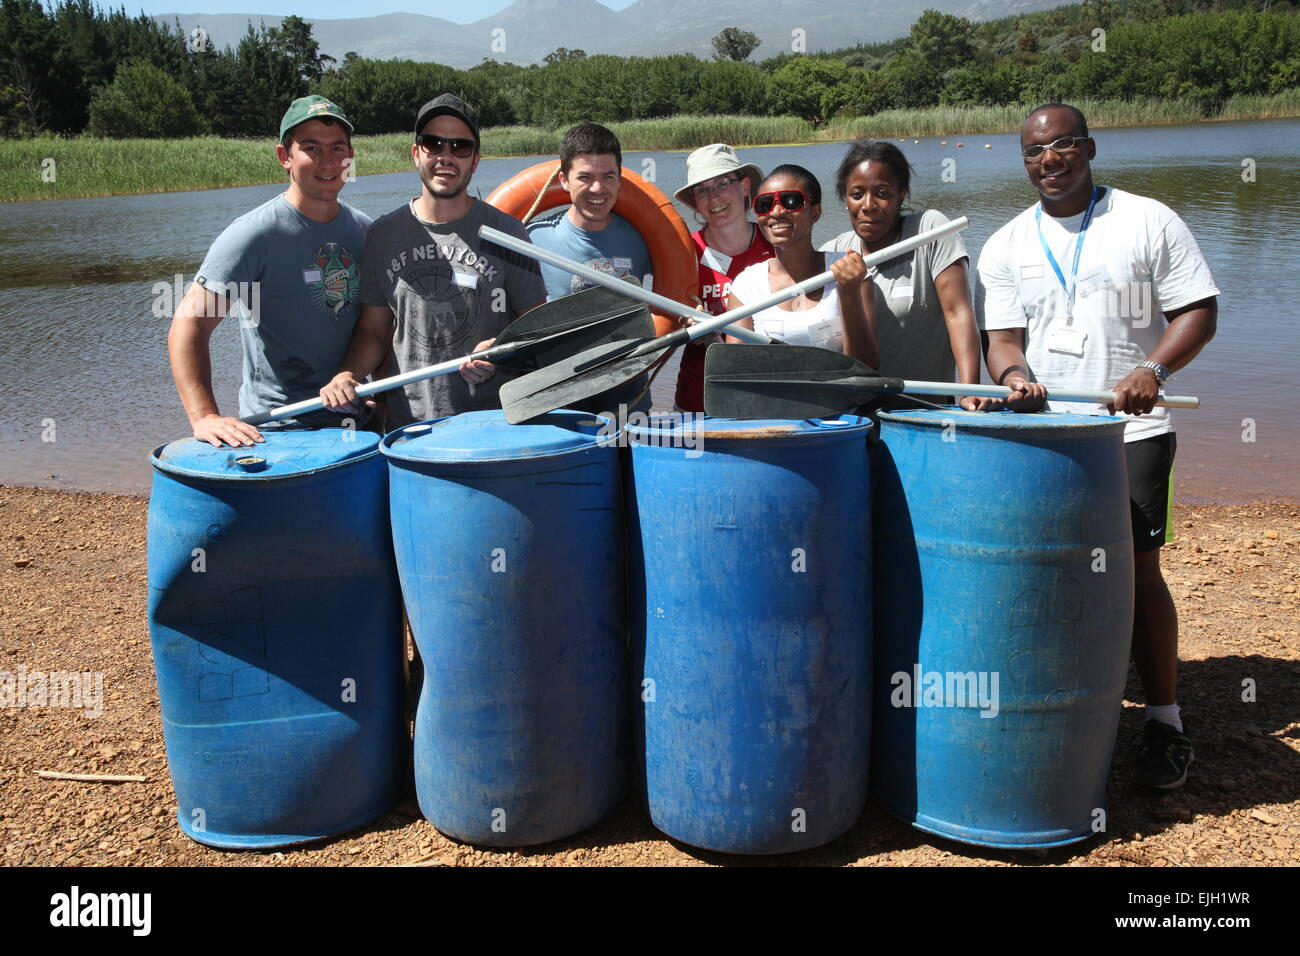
(73, 572)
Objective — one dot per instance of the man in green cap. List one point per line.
(290, 271)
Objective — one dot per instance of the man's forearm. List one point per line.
(1004, 354)
(365, 352)
(1190, 330)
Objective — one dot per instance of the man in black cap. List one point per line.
(431, 289)
(290, 270)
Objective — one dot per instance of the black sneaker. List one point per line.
(1163, 757)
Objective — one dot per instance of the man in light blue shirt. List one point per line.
(590, 172)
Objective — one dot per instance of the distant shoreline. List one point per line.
(83, 167)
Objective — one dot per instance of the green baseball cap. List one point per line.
(309, 108)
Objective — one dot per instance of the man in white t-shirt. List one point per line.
(1091, 288)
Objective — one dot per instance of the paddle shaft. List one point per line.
(1099, 396)
(615, 284)
(858, 383)
(494, 354)
(706, 323)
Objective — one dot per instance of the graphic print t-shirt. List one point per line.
(295, 286)
(448, 290)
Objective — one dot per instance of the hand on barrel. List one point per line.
(477, 372)
(340, 395)
(218, 430)
(976, 403)
(1136, 393)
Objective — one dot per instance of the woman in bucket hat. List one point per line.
(718, 188)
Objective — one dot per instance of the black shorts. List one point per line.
(1150, 489)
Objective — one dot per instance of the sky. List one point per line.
(457, 11)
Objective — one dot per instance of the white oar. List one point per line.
(664, 304)
(1098, 395)
(552, 331)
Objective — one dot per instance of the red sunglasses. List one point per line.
(791, 199)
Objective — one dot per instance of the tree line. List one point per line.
(72, 68)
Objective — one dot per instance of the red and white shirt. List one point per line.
(716, 272)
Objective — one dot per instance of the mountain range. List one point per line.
(527, 30)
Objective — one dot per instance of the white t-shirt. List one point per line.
(1139, 259)
(820, 326)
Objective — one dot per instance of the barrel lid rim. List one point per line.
(170, 468)
(749, 430)
(579, 443)
(1003, 421)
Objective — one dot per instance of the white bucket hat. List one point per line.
(709, 162)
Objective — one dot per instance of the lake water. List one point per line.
(84, 360)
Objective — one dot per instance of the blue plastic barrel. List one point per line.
(276, 622)
(1004, 545)
(750, 612)
(510, 540)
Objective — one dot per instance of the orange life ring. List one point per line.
(673, 259)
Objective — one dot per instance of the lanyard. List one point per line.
(1078, 251)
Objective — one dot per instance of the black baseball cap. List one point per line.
(448, 104)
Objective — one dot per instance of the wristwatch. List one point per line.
(1162, 372)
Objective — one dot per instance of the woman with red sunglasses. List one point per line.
(925, 322)
(837, 316)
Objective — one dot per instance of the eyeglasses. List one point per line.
(791, 199)
(1033, 153)
(705, 189)
(460, 148)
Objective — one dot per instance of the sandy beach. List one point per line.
(73, 572)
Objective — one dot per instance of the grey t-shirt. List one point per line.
(295, 286)
(448, 290)
(909, 318)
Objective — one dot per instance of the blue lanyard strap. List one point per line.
(1078, 246)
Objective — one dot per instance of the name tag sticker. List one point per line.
(902, 290)
(1094, 280)
(826, 334)
(466, 280)
(623, 262)
(311, 275)
(1066, 340)
(1031, 272)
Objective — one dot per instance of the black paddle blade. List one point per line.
(562, 328)
(787, 381)
(574, 379)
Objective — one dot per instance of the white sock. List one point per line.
(1166, 714)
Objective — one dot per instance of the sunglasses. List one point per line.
(1065, 144)
(791, 199)
(460, 148)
